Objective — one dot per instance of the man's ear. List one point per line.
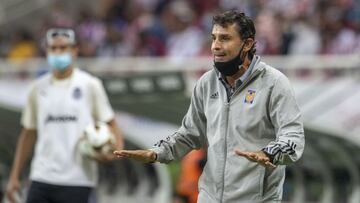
(249, 42)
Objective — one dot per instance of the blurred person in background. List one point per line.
(286, 27)
(338, 35)
(115, 43)
(184, 39)
(59, 107)
(91, 32)
(245, 112)
(23, 47)
(4, 45)
(269, 37)
(192, 166)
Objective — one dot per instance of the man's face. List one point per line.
(226, 42)
(61, 45)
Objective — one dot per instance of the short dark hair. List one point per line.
(245, 26)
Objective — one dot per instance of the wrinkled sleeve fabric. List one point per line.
(29, 113)
(191, 134)
(102, 110)
(286, 118)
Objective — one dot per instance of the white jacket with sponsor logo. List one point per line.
(262, 114)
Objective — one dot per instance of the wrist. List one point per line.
(14, 178)
(270, 156)
(153, 157)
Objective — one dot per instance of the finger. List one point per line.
(244, 154)
(254, 156)
(117, 154)
(263, 159)
(270, 165)
(120, 155)
(241, 153)
(137, 155)
(131, 154)
(248, 157)
(123, 153)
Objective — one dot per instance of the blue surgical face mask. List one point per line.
(59, 61)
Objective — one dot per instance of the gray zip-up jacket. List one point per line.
(261, 114)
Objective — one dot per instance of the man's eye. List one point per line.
(221, 38)
(224, 38)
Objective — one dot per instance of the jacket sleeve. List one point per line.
(191, 134)
(285, 116)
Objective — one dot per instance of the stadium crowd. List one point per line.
(180, 28)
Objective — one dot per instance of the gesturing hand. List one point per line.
(257, 156)
(144, 156)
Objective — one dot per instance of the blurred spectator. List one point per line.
(148, 34)
(185, 39)
(115, 43)
(91, 32)
(338, 37)
(59, 16)
(23, 47)
(244, 6)
(191, 168)
(4, 45)
(149, 45)
(178, 28)
(268, 34)
(305, 38)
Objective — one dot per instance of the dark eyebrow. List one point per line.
(222, 35)
(225, 35)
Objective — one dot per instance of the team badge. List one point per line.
(77, 93)
(250, 95)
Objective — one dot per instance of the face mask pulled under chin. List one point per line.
(229, 68)
(59, 61)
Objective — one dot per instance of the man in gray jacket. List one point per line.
(245, 112)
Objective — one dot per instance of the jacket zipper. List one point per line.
(256, 73)
(225, 150)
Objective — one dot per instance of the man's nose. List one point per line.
(216, 45)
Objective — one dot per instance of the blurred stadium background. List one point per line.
(149, 54)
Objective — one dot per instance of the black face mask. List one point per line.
(230, 67)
